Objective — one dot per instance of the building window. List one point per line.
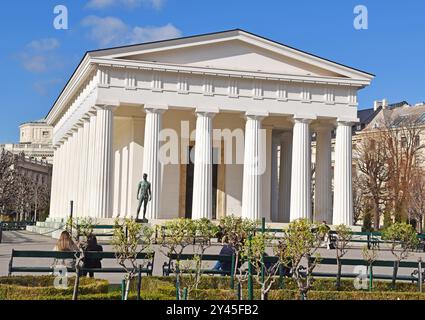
(46, 134)
(403, 142)
(417, 141)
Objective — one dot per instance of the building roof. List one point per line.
(40, 121)
(366, 76)
(367, 115)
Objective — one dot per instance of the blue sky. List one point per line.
(36, 60)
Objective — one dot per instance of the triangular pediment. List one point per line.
(233, 55)
(233, 50)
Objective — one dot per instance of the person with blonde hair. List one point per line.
(65, 244)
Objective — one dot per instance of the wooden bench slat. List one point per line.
(69, 256)
(206, 257)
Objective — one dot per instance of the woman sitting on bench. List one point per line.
(65, 244)
(92, 246)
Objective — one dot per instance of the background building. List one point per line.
(35, 141)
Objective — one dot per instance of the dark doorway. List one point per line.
(190, 169)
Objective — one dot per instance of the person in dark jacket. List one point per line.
(92, 246)
(223, 265)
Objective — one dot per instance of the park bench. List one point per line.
(103, 227)
(169, 267)
(72, 255)
(412, 265)
(15, 225)
(160, 234)
(371, 239)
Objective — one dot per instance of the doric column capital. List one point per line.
(207, 112)
(155, 108)
(86, 117)
(256, 115)
(108, 107)
(347, 122)
(303, 118)
(79, 124)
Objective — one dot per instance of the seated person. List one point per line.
(65, 244)
(93, 246)
(222, 265)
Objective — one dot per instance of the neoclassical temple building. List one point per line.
(170, 108)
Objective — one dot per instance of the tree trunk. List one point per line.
(377, 217)
(395, 271)
(77, 283)
(338, 275)
(127, 288)
(139, 283)
(263, 292)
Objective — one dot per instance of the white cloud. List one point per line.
(34, 63)
(111, 31)
(102, 4)
(38, 57)
(44, 44)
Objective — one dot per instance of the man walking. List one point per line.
(144, 195)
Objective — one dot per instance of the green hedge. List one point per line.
(350, 295)
(210, 288)
(320, 284)
(34, 287)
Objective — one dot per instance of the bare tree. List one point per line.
(388, 159)
(417, 197)
(372, 163)
(403, 147)
(7, 181)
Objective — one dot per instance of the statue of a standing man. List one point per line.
(144, 195)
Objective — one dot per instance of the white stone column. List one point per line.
(77, 166)
(275, 179)
(62, 180)
(55, 175)
(59, 185)
(285, 178)
(73, 170)
(301, 171)
(266, 175)
(253, 168)
(103, 162)
(202, 181)
(67, 181)
(151, 161)
(90, 199)
(343, 194)
(82, 182)
(323, 181)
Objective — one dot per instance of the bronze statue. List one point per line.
(144, 195)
